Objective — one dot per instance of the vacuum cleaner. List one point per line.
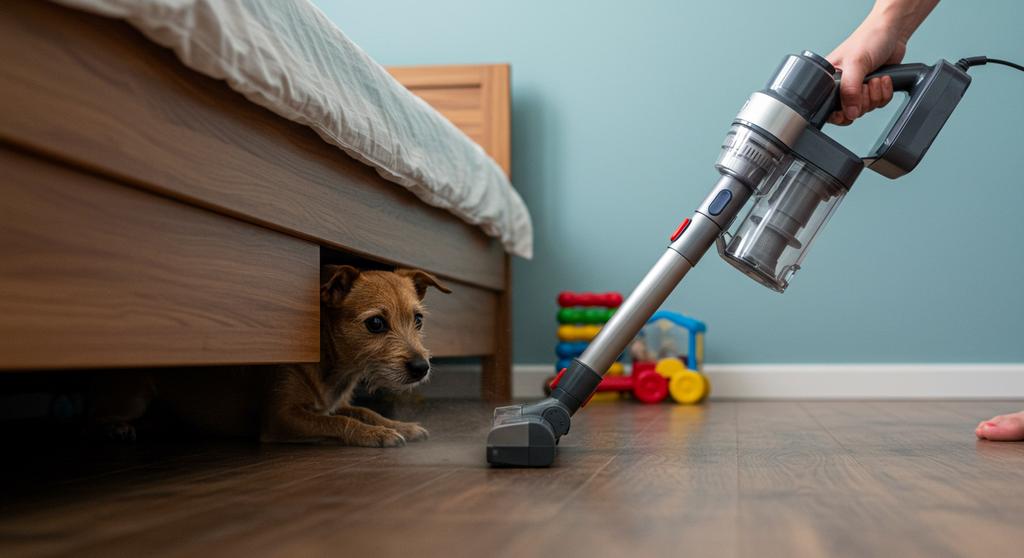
(776, 157)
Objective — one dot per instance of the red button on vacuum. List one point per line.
(554, 383)
(679, 231)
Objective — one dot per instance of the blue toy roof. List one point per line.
(680, 320)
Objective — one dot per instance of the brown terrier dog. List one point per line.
(370, 332)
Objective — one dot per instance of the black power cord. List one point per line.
(972, 61)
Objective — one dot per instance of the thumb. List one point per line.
(851, 89)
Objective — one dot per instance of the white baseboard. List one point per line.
(835, 381)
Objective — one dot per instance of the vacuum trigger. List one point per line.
(679, 232)
(554, 382)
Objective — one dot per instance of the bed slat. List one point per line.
(94, 274)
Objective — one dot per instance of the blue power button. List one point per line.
(721, 200)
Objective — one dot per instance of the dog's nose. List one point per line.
(417, 368)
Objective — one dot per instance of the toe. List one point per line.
(983, 428)
(978, 430)
(1004, 428)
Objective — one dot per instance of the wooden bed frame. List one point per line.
(151, 216)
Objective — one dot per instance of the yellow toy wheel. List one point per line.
(688, 387)
(668, 367)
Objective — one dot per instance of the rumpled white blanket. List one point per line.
(286, 56)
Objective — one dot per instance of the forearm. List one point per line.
(902, 16)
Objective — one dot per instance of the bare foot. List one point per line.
(1004, 428)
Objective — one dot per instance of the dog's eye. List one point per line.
(376, 324)
(419, 320)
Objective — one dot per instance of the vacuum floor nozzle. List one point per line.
(520, 439)
(526, 435)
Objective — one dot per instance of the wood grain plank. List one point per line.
(959, 495)
(234, 486)
(439, 76)
(724, 479)
(802, 493)
(460, 323)
(497, 91)
(95, 274)
(670, 490)
(95, 92)
(450, 100)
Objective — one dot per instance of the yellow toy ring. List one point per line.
(577, 332)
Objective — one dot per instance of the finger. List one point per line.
(875, 93)
(865, 100)
(850, 88)
(842, 120)
(887, 91)
(839, 118)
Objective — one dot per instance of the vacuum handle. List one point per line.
(933, 92)
(905, 77)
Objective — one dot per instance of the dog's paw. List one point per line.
(119, 432)
(382, 437)
(412, 431)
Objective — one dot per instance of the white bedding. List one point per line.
(285, 55)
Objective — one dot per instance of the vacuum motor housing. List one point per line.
(798, 175)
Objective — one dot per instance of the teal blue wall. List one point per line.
(619, 109)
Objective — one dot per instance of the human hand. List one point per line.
(872, 45)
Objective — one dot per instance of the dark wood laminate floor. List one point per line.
(727, 479)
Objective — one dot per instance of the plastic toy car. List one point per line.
(653, 382)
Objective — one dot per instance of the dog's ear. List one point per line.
(339, 280)
(421, 280)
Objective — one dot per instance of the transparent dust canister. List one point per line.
(770, 242)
